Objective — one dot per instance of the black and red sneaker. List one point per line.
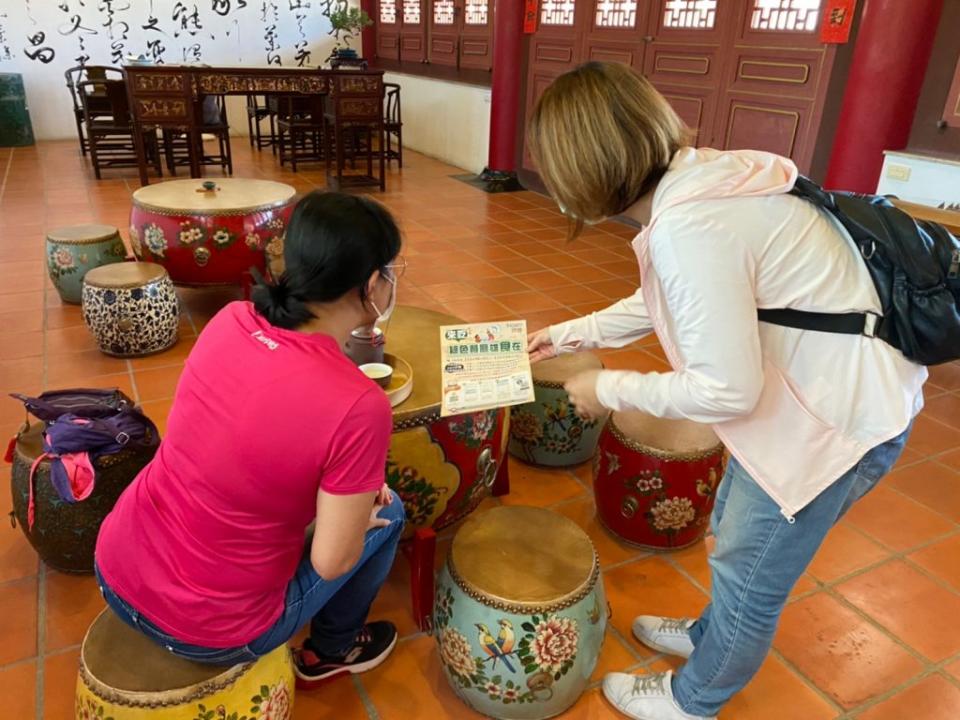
(373, 645)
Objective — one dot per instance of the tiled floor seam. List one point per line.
(890, 693)
(916, 654)
(368, 705)
(6, 173)
(41, 639)
(791, 667)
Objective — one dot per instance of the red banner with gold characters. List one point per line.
(837, 20)
(530, 10)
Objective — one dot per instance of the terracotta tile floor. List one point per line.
(869, 633)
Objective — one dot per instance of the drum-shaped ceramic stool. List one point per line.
(548, 431)
(75, 250)
(655, 480)
(65, 534)
(211, 233)
(520, 613)
(131, 309)
(442, 468)
(126, 676)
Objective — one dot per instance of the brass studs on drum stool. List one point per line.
(131, 309)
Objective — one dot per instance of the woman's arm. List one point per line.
(708, 286)
(620, 324)
(345, 520)
(347, 501)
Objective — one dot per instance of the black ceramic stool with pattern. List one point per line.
(131, 309)
(65, 534)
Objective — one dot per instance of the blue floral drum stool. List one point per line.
(519, 624)
(75, 250)
(131, 308)
(126, 676)
(548, 431)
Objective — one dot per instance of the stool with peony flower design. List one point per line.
(520, 622)
(655, 480)
(126, 676)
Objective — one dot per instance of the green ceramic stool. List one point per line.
(548, 431)
(75, 250)
(15, 126)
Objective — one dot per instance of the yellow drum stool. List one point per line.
(126, 676)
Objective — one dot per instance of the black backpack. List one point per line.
(915, 266)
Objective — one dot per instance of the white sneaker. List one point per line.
(666, 635)
(645, 697)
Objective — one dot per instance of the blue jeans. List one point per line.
(759, 556)
(336, 609)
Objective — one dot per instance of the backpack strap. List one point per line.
(865, 324)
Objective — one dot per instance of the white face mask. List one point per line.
(382, 317)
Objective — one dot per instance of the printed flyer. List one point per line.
(484, 366)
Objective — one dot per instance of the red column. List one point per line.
(887, 71)
(369, 35)
(505, 96)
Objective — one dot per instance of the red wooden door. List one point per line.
(445, 21)
(685, 59)
(776, 78)
(476, 35)
(413, 31)
(388, 30)
(616, 31)
(554, 49)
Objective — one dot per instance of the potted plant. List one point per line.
(346, 23)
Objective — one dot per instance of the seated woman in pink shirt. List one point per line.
(272, 427)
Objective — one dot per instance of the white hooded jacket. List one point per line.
(797, 409)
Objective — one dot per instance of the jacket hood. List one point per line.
(707, 174)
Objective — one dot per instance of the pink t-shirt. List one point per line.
(206, 539)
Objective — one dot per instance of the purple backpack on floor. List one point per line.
(81, 426)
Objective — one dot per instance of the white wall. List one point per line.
(448, 121)
(238, 38)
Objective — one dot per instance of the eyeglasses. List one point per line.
(397, 268)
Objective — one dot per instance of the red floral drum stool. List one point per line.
(126, 676)
(654, 480)
(211, 233)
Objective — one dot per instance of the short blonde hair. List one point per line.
(602, 136)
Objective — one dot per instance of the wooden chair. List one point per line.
(97, 100)
(110, 137)
(355, 117)
(256, 114)
(176, 144)
(392, 123)
(301, 129)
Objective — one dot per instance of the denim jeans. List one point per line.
(336, 609)
(759, 556)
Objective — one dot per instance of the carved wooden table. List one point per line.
(171, 96)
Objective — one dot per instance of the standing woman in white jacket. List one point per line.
(812, 420)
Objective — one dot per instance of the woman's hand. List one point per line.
(375, 521)
(540, 346)
(384, 495)
(582, 390)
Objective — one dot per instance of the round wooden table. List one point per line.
(442, 468)
(211, 233)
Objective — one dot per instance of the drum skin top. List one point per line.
(125, 275)
(523, 555)
(666, 436)
(82, 234)
(235, 195)
(413, 334)
(123, 659)
(560, 369)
